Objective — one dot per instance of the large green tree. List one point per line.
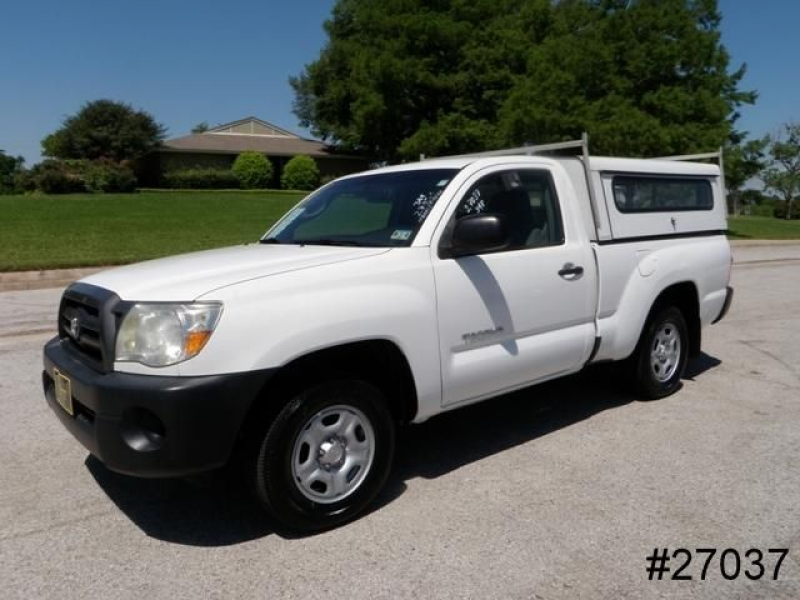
(105, 129)
(399, 78)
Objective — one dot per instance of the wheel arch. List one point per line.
(378, 361)
(683, 295)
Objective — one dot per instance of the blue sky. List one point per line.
(187, 61)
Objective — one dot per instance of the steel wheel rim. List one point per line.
(333, 454)
(665, 352)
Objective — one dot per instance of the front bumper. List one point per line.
(152, 426)
(726, 306)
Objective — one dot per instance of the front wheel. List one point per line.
(326, 456)
(660, 357)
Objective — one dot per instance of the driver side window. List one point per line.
(527, 201)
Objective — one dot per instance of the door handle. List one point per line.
(571, 272)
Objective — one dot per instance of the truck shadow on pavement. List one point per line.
(217, 511)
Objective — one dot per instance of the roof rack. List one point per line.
(703, 156)
(581, 145)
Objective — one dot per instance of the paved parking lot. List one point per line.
(559, 491)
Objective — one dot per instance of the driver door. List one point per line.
(513, 317)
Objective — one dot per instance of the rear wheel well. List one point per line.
(378, 362)
(685, 297)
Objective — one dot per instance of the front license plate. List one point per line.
(64, 391)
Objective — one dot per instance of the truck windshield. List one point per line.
(385, 209)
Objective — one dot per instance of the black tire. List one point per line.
(273, 480)
(648, 381)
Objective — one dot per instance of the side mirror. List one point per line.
(476, 234)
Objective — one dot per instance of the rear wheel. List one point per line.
(326, 456)
(660, 357)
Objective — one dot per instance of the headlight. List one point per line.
(158, 335)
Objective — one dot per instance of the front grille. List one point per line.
(86, 324)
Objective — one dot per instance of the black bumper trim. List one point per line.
(726, 306)
(153, 426)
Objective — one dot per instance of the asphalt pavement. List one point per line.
(559, 491)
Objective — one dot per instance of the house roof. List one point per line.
(245, 134)
(252, 126)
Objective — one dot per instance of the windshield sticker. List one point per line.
(473, 204)
(424, 203)
(443, 183)
(286, 221)
(401, 234)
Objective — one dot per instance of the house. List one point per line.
(218, 147)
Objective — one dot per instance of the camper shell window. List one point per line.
(634, 194)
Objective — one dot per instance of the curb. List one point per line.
(763, 243)
(41, 280)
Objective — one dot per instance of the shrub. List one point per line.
(10, 170)
(253, 169)
(201, 179)
(759, 210)
(106, 176)
(71, 176)
(59, 182)
(300, 173)
(25, 181)
(326, 179)
(52, 177)
(779, 212)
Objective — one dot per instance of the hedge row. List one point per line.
(779, 212)
(201, 179)
(71, 176)
(251, 170)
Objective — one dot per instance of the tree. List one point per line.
(10, 170)
(743, 162)
(783, 174)
(105, 129)
(253, 170)
(403, 77)
(201, 127)
(300, 173)
(645, 78)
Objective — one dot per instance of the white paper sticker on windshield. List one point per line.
(286, 221)
(401, 234)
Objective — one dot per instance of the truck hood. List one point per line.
(188, 276)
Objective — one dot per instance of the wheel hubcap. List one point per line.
(665, 353)
(333, 454)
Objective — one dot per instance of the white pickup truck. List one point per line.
(382, 299)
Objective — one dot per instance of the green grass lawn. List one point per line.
(763, 228)
(41, 232)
